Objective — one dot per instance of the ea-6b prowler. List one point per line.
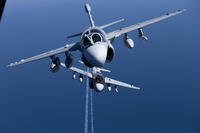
(96, 49)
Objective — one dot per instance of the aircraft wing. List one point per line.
(107, 80)
(45, 55)
(121, 31)
(119, 83)
(77, 70)
(101, 27)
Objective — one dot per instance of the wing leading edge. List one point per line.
(121, 31)
(44, 55)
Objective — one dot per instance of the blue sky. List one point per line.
(166, 68)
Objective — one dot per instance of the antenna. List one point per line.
(88, 10)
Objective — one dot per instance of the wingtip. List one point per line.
(122, 19)
(134, 87)
(138, 88)
(182, 10)
(9, 66)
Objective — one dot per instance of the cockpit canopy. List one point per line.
(91, 37)
(96, 37)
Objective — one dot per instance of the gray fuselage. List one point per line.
(94, 47)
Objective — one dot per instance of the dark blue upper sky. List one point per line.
(167, 68)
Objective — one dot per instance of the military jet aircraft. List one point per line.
(96, 49)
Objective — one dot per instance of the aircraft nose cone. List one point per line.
(99, 87)
(97, 54)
